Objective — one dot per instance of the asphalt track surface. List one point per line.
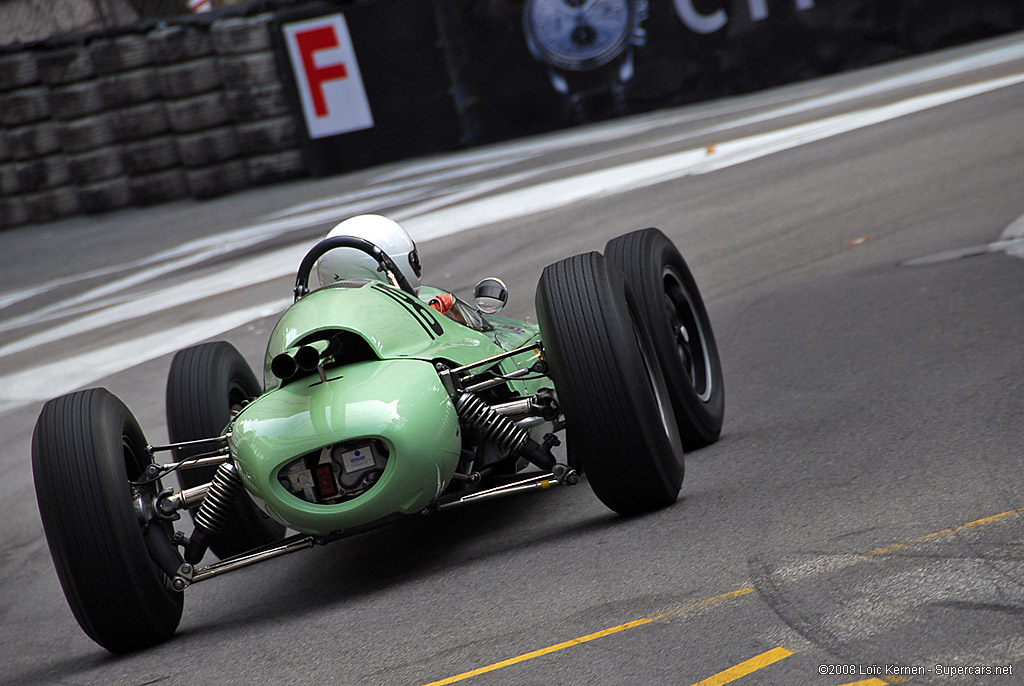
(862, 509)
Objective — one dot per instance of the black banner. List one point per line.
(368, 79)
(530, 65)
(514, 67)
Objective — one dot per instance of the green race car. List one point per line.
(381, 399)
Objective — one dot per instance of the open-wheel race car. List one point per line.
(381, 399)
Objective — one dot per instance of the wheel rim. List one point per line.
(688, 334)
(237, 399)
(661, 397)
(141, 492)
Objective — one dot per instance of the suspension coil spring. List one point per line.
(216, 506)
(497, 428)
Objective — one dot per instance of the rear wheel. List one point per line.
(673, 316)
(87, 450)
(619, 419)
(207, 385)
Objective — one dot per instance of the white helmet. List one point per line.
(349, 263)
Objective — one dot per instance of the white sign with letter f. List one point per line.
(327, 76)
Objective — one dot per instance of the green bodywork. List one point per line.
(397, 398)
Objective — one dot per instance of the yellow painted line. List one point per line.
(873, 681)
(945, 532)
(543, 651)
(589, 637)
(704, 603)
(744, 668)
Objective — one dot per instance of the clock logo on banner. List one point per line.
(587, 45)
(327, 75)
(578, 34)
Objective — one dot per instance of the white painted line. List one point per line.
(627, 177)
(366, 200)
(1011, 240)
(446, 215)
(956, 64)
(248, 272)
(428, 220)
(380, 194)
(65, 375)
(189, 254)
(1014, 231)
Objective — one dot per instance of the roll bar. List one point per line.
(386, 264)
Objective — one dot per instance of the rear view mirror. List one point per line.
(491, 295)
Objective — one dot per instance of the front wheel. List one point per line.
(87, 452)
(674, 318)
(206, 386)
(619, 421)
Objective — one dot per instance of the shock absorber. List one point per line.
(503, 432)
(214, 511)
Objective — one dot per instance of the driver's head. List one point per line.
(349, 263)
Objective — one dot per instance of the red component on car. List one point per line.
(325, 483)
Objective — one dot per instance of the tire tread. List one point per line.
(577, 307)
(114, 590)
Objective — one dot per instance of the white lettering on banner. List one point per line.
(701, 23)
(709, 23)
(758, 10)
(327, 76)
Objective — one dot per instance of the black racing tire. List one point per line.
(150, 155)
(183, 79)
(619, 422)
(242, 34)
(111, 55)
(217, 179)
(160, 186)
(177, 43)
(42, 173)
(141, 122)
(64, 65)
(86, 449)
(18, 69)
(197, 112)
(129, 88)
(206, 383)
(24, 106)
(76, 100)
(45, 206)
(206, 147)
(10, 184)
(13, 211)
(96, 165)
(669, 302)
(278, 166)
(106, 195)
(87, 133)
(258, 102)
(247, 71)
(268, 136)
(34, 140)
